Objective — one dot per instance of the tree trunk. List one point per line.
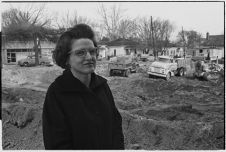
(35, 39)
(153, 40)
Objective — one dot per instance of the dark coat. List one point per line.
(76, 117)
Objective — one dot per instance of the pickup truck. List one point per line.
(122, 65)
(167, 67)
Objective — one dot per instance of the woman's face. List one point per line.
(82, 58)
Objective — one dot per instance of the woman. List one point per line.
(79, 110)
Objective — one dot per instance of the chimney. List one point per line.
(207, 36)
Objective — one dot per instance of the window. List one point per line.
(19, 50)
(11, 57)
(127, 52)
(165, 60)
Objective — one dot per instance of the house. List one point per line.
(213, 53)
(122, 47)
(214, 40)
(12, 51)
(102, 51)
(174, 51)
(212, 46)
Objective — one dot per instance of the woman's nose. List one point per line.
(88, 55)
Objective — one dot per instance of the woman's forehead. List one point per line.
(81, 43)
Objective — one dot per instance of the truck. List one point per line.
(123, 65)
(167, 66)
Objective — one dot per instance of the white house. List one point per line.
(121, 47)
(174, 51)
(214, 53)
(13, 51)
(212, 46)
(103, 51)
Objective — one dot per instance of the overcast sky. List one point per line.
(199, 16)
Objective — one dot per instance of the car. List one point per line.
(151, 57)
(30, 61)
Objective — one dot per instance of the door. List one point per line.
(114, 52)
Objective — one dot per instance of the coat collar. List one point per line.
(67, 82)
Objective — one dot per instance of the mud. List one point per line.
(182, 114)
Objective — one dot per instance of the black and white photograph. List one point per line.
(113, 75)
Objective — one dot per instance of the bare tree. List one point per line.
(26, 25)
(111, 20)
(128, 28)
(160, 36)
(190, 39)
(162, 32)
(144, 30)
(69, 19)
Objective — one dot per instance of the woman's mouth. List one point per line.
(90, 63)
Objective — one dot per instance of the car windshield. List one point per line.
(165, 60)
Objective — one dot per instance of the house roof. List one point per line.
(102, 42)
(26, 44)
(121, 41)
(214, 40)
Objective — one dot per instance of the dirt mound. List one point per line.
(22, 119)
(171, 114)
(20, 116)
(183, 113)
(49, 76)
(142, 133)
(22, 128)
(12, 76)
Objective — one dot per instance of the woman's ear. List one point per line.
(67, 63)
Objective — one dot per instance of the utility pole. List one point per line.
(183, 42)
(153, 40)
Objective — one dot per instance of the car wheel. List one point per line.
(181, 72)
(111, 73)
(25, 64)
(127, 72)
(185, 72)
(42, 63)
(168, 76)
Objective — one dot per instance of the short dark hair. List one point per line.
(64, 43)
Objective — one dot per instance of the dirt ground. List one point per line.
(183, 113)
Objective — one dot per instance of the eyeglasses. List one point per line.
(83, 52)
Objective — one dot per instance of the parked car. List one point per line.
(151, 57)
(122, 65)
(167, 67)
(146, 57)
(30, 61)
